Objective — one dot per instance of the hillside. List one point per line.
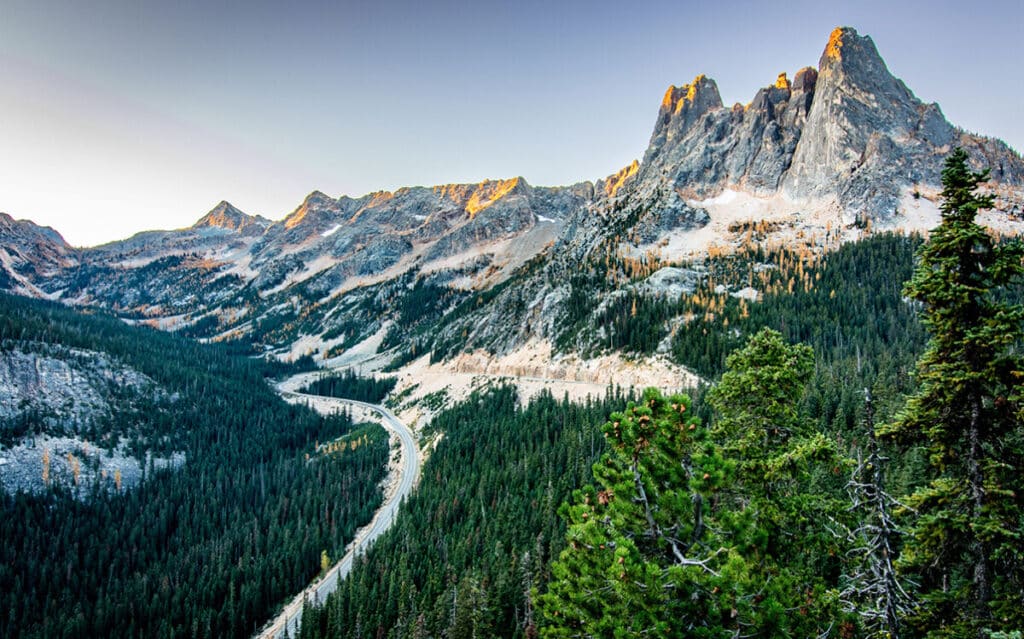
(113, 542)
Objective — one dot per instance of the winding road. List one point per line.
(289, 618)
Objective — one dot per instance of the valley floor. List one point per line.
(403, 474)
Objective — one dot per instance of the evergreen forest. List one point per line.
(209, 550)
(349, 385)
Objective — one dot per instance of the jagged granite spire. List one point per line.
(867, 133)
(698, 147)
(680, 108)
(848, 132)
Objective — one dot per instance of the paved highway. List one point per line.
(317, 591)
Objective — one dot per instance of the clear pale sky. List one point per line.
(117, 117)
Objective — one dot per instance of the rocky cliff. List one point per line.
(30, 254)
(848, 132)
(67, 416)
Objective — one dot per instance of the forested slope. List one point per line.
(477, 535)
(205, 551)
(482, 528)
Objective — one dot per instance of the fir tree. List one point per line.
(965, 546)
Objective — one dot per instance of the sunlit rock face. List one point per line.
(848, 130)
(225, 216)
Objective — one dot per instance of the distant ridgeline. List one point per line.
(207, 550)
(821, 157)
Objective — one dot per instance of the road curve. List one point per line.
(289, 618)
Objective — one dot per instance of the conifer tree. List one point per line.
(640, 553)
(785, 583)
(871, 588)
(965, 545)
(699, 533)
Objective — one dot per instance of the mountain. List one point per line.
(847, 133)
(227, 217)
(31, 253)
(824, 157)
(152, 445)
(736, 218)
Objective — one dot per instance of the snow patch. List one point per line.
(725, 197)
(916, 214)
(801, 221)
(748, 293)
(331, 231)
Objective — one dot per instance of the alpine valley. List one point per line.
(800, 210)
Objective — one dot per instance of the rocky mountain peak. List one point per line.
(318, 199)
(10, 228)
(867, 135)
(852, 61)
(29, 251)
(847, 133)
(315, 202)
(845, 45)
(490, 191)
(226, 216)
(700, 95)
(805, 80)
(682, 106)
(611, 184)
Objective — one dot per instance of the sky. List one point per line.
(117, 116)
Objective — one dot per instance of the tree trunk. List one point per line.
(982, 579)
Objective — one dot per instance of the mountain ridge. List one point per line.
(818, 158)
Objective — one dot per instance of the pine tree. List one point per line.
(783, 583)
(691, 532)
(965, 545)
(639, 550)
